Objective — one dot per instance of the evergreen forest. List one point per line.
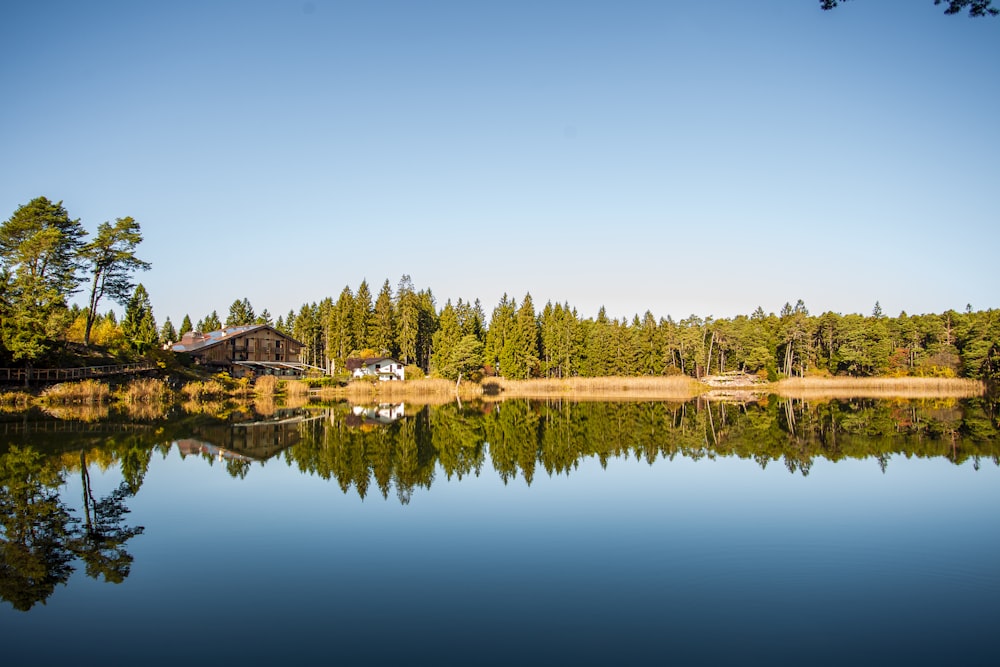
(520, 341)
(46, 258)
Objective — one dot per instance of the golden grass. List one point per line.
(203, 391)
(296, 388)
(145, 390)
(816, 388)
(15, 400)
(430, 390)
(83, 391)
(674, 387)
(329, 393)
(266, 385)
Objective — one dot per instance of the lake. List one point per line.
(770, 532)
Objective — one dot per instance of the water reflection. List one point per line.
(42, 537)
(521, 437)
(398, 450)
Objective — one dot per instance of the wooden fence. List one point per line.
(60, 374)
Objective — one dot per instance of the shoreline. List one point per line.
(675, 388)
(733, 388)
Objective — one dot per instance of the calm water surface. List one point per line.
(521, 533)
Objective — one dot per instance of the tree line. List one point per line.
(519, 341)
(46, 257)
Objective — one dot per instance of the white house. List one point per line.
(384, 368)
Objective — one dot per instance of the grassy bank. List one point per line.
(134, 395)
(876, 387)
(676, 387)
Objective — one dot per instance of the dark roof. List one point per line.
(354, 363)
(196, 341)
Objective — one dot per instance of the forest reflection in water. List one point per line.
(398, 450)
(523, 438)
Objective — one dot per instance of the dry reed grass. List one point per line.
(878, 387)
(296, 388)
(203, 391)
(15, 400)
(265, 385)
(330, 393)
(674, 387)
(83, 391)
(428, 390)
(145, 390)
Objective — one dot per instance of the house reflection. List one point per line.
(246, 441)
(375, 415)
(192, 447)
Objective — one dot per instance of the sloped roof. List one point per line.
(354, 363)
(200, 341)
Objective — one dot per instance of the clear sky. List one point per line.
(677, 156)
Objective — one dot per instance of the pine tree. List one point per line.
(39, 250)
(526, 341)
(500, 331)
(139, 325)
(426, 326)
(340, 325)
(361, 318)
(185, 326)
(167, 333)
(408, 320)
(289, 323)
(447, 336)
(240, 313)
(383, 335)
(110, 258)
(211, 323)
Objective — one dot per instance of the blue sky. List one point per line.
(681, 157)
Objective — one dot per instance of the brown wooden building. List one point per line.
(254, 348)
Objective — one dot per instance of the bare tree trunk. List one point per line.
(708, 361)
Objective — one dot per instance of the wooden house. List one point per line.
(254, 348)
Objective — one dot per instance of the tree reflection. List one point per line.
(100, 543)
(520, 436)
(35, 552)
(41, 537)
